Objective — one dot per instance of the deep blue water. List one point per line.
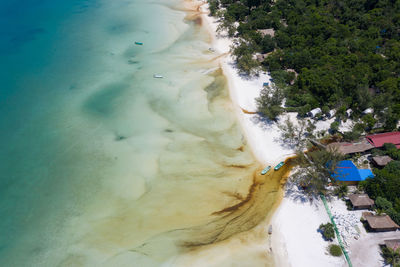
(31, 36)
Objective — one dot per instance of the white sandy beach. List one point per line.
(295, 240)
(263, 137)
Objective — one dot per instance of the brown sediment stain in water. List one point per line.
(210, 60)
(248, 112)
(237, 166)
(256, 200)
(197, 20)
(234, 195)
(240, 204)
(241, 148)
(263, 197)
(190, 7)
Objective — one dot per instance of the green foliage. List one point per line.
(244, 58)
(341, 190)
(377, 152)
(335, 250)
(325, 110)
(385, 189)
(304, 110)
(312, 173)
(383, 203)
(351, 136)
(392, 151)
(346, 53)
(327, 231)
(270, 101)
(237, 11)
(247, 64)
(334, 126)
(213, 6)
(267, 44)
(358, 127)
(282, 77)
(391, 256)
(395, 215)
(293, 134)
(369, 121)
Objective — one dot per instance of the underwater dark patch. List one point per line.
(105, 101)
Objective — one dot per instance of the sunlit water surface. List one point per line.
(102, 164)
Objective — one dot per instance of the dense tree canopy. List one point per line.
(346, 52)
(385, 189)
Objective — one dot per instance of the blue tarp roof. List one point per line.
(347, 171)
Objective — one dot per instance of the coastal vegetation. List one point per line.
(335, 250)
(385, 189)
(269, 102)
(341, 191)
(336, 55)
(327, 231)
(388, 150)
(391, 256)
(314, 170)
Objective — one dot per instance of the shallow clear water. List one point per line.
(100, 163)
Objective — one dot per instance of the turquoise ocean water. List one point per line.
(100, 163)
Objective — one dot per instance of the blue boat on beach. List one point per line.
(266, 169)
(277, 167)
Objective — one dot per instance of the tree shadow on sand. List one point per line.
(296, 194)
(262, 122)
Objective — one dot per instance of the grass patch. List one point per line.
(335, 250)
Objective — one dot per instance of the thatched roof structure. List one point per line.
(381, 160)
(350, 148)
(361, 201)
(366, 213)
(381, 223)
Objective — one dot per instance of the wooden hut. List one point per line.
(381, 223)
(361, 201)
(381, 161)
(350, 148)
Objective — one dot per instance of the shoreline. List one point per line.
(263, 137)
(295, 240)
(242, 93)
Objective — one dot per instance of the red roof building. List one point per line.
(377, 140)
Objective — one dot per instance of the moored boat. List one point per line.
(266, 169)
(138, 43)
(158, 76)
(277, 167)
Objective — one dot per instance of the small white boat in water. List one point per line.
(158, 76)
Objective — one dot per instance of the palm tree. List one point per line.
(391, 256)
(315, 169)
